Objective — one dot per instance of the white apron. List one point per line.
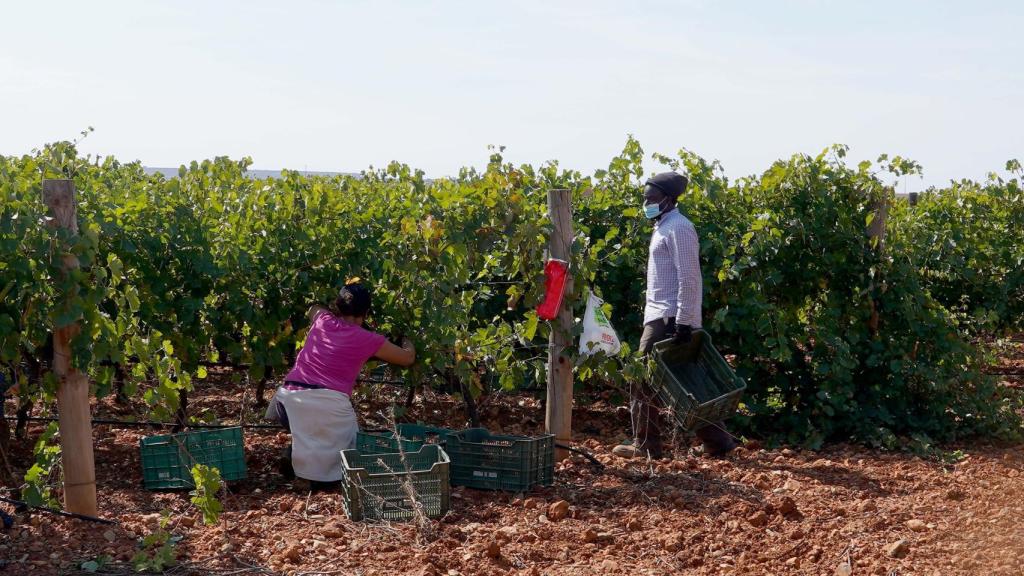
(323, 423)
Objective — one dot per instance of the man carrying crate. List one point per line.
(672, 310)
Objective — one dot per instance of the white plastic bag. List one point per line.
(598, 333)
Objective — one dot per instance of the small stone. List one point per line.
(284, 506)
(590, 535)
(867, 506)
(558, 510)
(188, 521)
(917, 525)
(844, 569)
(332, 531)
(493, 550)
(787, 505)
(794, 562)
(227, 547)
(759, 519)
(110, 536)
(533, 503)
(292, 553)
(508, 532)
(897, 549)
(634, 525)
(625, 451)
(672, 542)
(956, 495)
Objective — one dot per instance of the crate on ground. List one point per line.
(694, 381)
(500, 462)
(167, 460)
(412, 436)
(377, 486)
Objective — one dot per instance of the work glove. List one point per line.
(683, 333)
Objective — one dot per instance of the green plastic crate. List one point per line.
(498, 462)
(413, 437)
(167, 460)
(373, 488)
(694, 382)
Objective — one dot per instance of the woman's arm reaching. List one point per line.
(400, 356)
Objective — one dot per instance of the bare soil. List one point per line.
(842, 510)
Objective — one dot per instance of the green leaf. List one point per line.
(530, 329)
(133, 299)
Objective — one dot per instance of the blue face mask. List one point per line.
(652, 211)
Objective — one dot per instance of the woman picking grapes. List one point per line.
(313, 404)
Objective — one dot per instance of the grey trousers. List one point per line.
(644, 405)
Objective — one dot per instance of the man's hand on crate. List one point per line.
(684, 333)
(679, 333)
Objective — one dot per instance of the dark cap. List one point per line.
(672, 184)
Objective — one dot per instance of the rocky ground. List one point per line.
(841, 510)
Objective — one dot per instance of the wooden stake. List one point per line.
(877, 228)
(558, 412)
(876, 232)
(73, 393)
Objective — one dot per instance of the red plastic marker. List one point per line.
(555, 274)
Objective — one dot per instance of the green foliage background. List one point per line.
(837, 338)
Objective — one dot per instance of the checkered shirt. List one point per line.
(673, 271)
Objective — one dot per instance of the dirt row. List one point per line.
(841, 510)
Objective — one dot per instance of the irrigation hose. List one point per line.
(583, 453)
(154, 423)
(141, 423)
(22, 505)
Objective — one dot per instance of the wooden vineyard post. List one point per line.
(73, 390)
(876, 233)
(876, 230)
(558, 417)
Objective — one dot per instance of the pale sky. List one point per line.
(342, 85)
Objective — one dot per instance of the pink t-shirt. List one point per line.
(334, 353)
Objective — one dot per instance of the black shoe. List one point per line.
(284, 464)
(717, 440)
(316, 486)
(719, 450)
